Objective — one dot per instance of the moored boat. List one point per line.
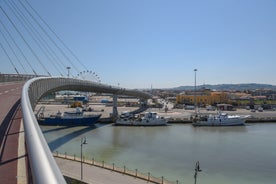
(149, 119)
(222, 119)
(76, 118)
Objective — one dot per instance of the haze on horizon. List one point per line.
(159, 43)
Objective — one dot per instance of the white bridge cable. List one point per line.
(54, 33)
(41, 39)
(15, 55)
(20, 50)
(26, 25)
(44, 45)
(22, 37)
(49, 37)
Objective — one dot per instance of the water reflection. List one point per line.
(229, 129)
(133, 136)
(55, 129)
(71, 133)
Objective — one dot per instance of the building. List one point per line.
(203, 97)
(225, 107)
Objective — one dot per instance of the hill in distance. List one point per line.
(228, 87)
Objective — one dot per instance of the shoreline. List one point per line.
(175, 116)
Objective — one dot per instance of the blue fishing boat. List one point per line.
(76, 118)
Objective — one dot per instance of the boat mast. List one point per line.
(195, 104)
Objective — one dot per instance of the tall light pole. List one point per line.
(195, 70)
(68, 68)
(83, 141)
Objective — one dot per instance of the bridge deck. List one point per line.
(10, 123)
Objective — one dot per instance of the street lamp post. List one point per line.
(83, 141)
(195, 70)
(68, 68)
(197, 169)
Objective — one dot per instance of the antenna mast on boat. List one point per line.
(195, 105)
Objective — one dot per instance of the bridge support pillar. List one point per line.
(115, 111)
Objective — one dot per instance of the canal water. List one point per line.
(244, 155)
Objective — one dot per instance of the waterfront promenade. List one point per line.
(96, 174)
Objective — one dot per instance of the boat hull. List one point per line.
(227, 122)
(69, 121)
(122, 122)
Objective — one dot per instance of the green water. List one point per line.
(226, 154)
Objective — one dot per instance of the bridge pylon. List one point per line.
(115, 104)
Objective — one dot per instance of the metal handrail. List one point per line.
(43, 166)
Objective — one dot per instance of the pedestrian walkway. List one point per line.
(13, 156)
(95, 175)
(12, 143)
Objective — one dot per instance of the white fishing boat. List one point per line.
(149, 119)
(221, 119)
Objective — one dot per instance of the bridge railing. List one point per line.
(15, 77)
(43, 166)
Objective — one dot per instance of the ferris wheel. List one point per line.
(88, 75)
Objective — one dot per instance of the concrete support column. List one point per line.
(115, 111)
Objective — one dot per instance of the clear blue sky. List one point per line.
(139, 43)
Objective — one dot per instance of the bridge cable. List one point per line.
(24, 23)
(62, 42)
(9, 58)
(50, 53)
(18, 60)
(50, 38)
(27, 25)
(22, 37)
(14, 42)
(47, 47)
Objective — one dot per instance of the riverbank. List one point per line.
(174, 115)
